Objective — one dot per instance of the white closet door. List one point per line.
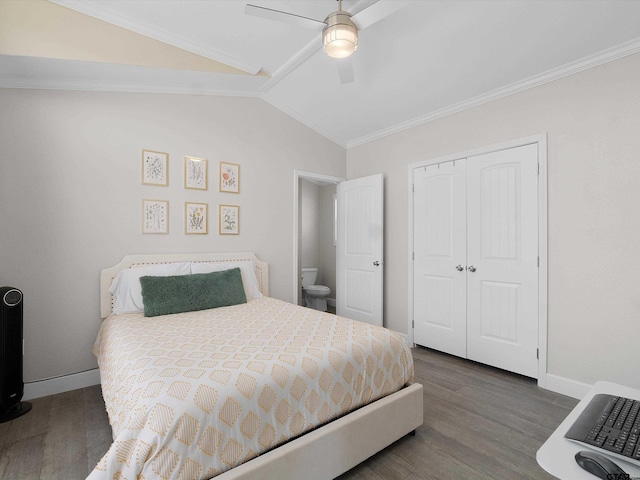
(502, 259)
(440, 257)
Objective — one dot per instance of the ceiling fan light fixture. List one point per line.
(340, 36)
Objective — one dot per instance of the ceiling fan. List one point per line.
(339, 30)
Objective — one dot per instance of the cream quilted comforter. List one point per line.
(194, 394)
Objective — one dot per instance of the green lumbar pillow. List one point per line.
(187, 293)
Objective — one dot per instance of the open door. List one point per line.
(359, 255)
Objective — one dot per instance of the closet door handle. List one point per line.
(459, 268)
(471, 268)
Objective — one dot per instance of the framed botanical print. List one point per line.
(196, 218)
(155, 168)
(229, 177)
(195, 173)
(155, 216)
(229, 219)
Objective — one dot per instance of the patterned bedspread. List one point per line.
(194, 394)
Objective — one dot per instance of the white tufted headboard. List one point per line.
(132, 261)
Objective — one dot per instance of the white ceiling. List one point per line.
(427, 59)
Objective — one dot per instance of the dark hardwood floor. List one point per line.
(480, 423)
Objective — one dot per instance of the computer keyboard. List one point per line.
(610, 424)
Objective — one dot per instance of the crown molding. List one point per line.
(93, 10)
(572, 68)
(118, 87)
(59, 74)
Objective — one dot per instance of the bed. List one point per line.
(258, 389)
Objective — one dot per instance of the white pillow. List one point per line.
(247, 271)
(126, 288)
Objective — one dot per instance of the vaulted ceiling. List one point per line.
(421, 60)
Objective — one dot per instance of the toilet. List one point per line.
(315, 296)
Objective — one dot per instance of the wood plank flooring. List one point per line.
(480, 423)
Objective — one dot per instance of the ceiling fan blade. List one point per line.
(345, 69)
(279, 16)
(376, 12)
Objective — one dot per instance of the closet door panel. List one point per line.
(439, 247)
(502, 250)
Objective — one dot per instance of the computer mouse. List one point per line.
(599, 465)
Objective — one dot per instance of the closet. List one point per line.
(476, 260)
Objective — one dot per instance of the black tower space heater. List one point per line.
(11, 384)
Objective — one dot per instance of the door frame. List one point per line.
(297, 176)
(541, 141)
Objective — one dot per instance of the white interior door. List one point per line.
(439, 275)
(359, 249)
(502, 257)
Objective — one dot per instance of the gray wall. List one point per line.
(592, 120)
(71, 193)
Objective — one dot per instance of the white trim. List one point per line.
(543, 268)
(297, 175)
(566, 386)
(578, 66)
(292, 64)
(120, 87)
(541, 141)
(64, 383)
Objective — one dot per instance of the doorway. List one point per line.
(359, 245)
(314, 231)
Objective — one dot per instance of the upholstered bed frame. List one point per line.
(327, 451)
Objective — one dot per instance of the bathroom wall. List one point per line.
(309, 221)
(327, 257)
(316, 231)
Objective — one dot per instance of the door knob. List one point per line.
(376, 263)
(471, 268)
(459, 268)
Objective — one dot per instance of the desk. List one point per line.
(556, 455)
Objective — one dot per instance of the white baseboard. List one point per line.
(331, 301)
(565, 386)
(65, 383)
